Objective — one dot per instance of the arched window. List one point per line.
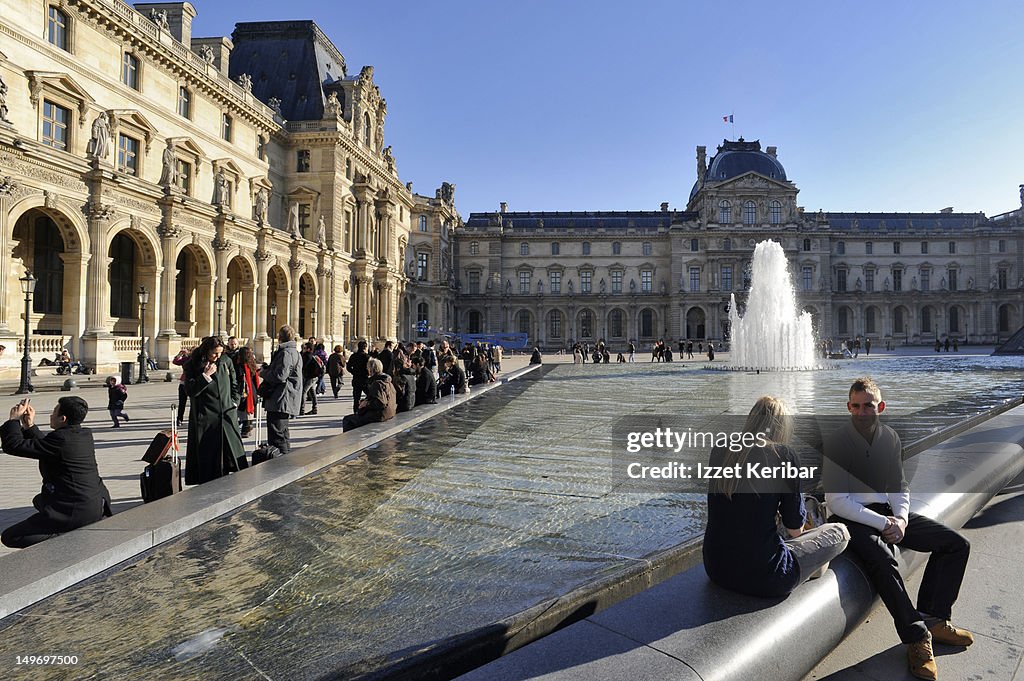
(615, 325)
(586, 324)
(422, 318)
(524, 322)
(1004, 319)
(926, 319)
(474, 321)
(775, 212)
(616, 248)
(954, 318)
(48, 268)
(724, 212)
(749, 213)
(898, 321)
(122, 283)
(647, 323)
(524, 248)
(869, 320)
(844, 321)
(367, 135)
(586, 248)
(555, 324)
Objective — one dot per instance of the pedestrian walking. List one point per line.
(117, 394)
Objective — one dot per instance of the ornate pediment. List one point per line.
(133, 119)
(61, 84)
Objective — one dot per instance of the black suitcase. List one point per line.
(162, 477)
(265, 451)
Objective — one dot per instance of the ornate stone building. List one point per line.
(645, 275)
(243, 183)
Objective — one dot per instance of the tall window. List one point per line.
(615, 325)
(586, 248)
(924, 248)
(844, 321)
(302, 161)
(869, 320)
(57, 28)
(423, 223)
(926, 320)
(727, 244)
(694, 279)
(181, 290)
(749, 213)
(895, 247)
(1003, 278)
(841, 248)
(122, 270)
(807, 278)
(951, 277)
(184, 102)
(556, 281)
(225, 126)
(366, 129)
(952, 247)
(184, 176)
(524, 322)
(841, 281)
(869, 280)
(348, 230)
(305, 210)
(726, 277)
(474, 283)
(724, 212)
(1002, 245)
(954, 319)
(48, 268)
(897, 280)
(648, 248)
(130, 70)
(775, 212)
(474, 248)
(422, 265)
(524, 282)
(422, 319)
(646, 281)
(1004, 319)
(694, 245)
(127, 155)
(475, 321)
(55, 125)
(555, 324)
(586, 277)
(926, 279)
(555, 248)
(524, 248)
(647, 323)
(898, 321)
(617, 248)
(616, 281)
(807, 244)
(869, 248)
(586, 324)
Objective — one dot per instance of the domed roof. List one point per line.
(736, 158)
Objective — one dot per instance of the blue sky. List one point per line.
(575, 105)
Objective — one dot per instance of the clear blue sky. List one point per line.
(595, 105)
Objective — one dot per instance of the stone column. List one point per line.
(167, 343)
(324, 316)
(97, 340)
(7, 187)
(220, 254)
(261, 341)
(293, 298)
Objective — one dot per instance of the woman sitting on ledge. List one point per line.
(743, 550)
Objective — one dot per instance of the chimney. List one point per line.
(504, 207)
(221, 48)
(702, 163)
(664, 206)
(772, 151)
(948, 209)
(179, 17)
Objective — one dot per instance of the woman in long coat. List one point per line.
(214, 446)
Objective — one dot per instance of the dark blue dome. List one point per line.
(736, 158)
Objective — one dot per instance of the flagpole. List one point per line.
(732, 122)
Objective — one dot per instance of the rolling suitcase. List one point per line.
(265, 451)
(162, 477)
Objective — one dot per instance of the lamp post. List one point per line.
(143, 299)
(219, 306)
(312, 322)
(273, 323)
(344, 327)
(28, 285)
(367, 327)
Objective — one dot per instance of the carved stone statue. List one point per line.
(245, 80)
(389, 159)
(293, 221)
(570, 287)
(887, 285)
(260, 205)
(913, 283)
(206, 52)
(604, 287)
(1022, 196)
(3, 102)
(275, 104)
(332, 106)
(159, 17)
(321, 232)
(992, 283)
(943, 284)
(970, 283)
(380, 135)
(447, 192)
(220, 188)
(169, 174)
(508, 287)
(632, 285)
(859, 285)
(99, 145)
(540, 286)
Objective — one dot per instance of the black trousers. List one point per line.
(357, 394)
(31, 530)
(182, 400)
(336, 383)
(943, 574)
(277, 431)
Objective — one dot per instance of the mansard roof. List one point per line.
(895, 222)
(589, 220)
(289, 60)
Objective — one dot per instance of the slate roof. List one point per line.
(734, 158)
(290, 60)
(613, 220)
(895, 222)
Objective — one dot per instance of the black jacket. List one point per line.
(454, 377)
(386, 357)
(73, 494)
(426, 388)
(405, 390)
(356, 367)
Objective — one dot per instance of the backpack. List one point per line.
(314, 367)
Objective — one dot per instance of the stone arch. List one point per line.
(474, 321)
(146, 240)
(872, 321)
(585, 325)
(74, 229)
(844, 321)
(647, 324)
(307, 304)
(1007, 320)
(278, 285)
(524, 321)
(193, 298)
(696, 323)
(240, 309)
(617, 324)
(901, 321)
(956, 320)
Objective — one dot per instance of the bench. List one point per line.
(688, 628)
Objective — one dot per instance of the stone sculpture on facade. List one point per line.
(99, 145)
(447, 192)
(220, 189)
(206, 52)
(275, 105)
(169, 174)
(389, 159)
(321, 233)
(3, 102)
(293, 221)
(159, 17)
(245, 80)
(259, 207)
(332, 107)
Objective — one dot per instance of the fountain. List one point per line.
(771, 335)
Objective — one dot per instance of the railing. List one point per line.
(46, 345)
(127, 344)
(190, 343)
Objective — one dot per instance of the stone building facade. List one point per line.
(231, 179)
(646, 275)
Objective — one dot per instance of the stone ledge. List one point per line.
(699, 630)
(39, 571)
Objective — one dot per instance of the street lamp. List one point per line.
(143, 299)
(219, 306)
(312, 322)
(28, 285)
(273, 323)
(367, 327)
(344, 327)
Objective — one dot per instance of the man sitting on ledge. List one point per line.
(73, 493)
(866, 489)
(380, 403)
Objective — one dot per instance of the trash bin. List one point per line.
(128, 372)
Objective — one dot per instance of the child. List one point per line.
(116, 396)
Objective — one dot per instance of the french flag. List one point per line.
(727, 119)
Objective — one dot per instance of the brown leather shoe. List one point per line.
(947, 634)
(921, 660)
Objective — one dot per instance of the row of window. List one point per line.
(955, 322)
(586, 326)
(869, 247)
(950, 282)
(749, 212)
(556, 248)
